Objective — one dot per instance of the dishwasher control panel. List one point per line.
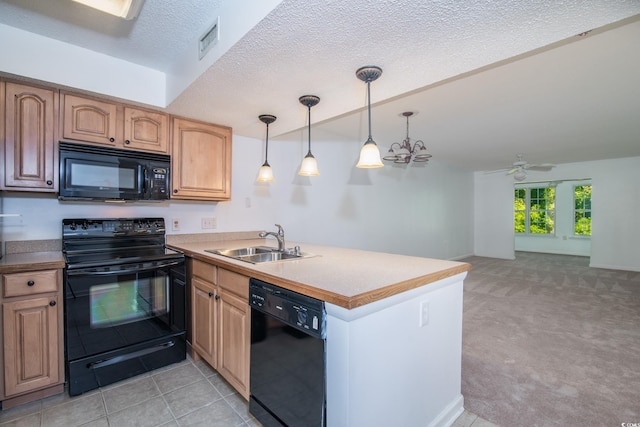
(300, 311)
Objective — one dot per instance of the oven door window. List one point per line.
(112, 310)
(128, 301)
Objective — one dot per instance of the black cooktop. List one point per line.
(98, 242)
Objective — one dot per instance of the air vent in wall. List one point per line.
(209, 38)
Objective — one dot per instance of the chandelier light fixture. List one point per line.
(309, 166)
(369, 153)
(266, 174)
(403, 152)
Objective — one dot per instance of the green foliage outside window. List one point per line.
(582, 209)
(534, 210)
(520, 210)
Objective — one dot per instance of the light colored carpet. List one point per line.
(547, 340)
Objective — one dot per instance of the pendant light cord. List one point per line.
(407, 128)
(369, 106)
(309, 124)
(266, 152)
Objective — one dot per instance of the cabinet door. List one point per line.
(29, 138)
(203, 319)
(234, 341)
(146, 130)
(90, 120)
(31, 340)
(200, 161)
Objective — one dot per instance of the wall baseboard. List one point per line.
(614, 267)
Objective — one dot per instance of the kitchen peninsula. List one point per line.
(394, 327)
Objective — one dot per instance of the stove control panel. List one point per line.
(112, 227)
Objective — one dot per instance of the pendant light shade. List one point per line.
(266, 174)
(309, 166)
(369, 154)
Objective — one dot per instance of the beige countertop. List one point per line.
(345, 277)
(30, 261)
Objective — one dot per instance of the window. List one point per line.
(582, 210)
(520, 207)
(534, 210)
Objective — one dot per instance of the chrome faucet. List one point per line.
(279, 236)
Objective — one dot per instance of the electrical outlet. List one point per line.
(175, 224)
(208, 223)
(424, 313)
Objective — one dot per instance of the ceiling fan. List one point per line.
(520, 167)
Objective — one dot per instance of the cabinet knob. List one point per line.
(217, 297)
(210, 294)
(31, 283)
(112, 139)
(52, 303)
(49, 182)
(127, 142)
(175, 191)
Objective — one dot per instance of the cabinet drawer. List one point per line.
(34, 282)
(234, 282)
(204, 271)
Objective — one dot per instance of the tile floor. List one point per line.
(184, 394)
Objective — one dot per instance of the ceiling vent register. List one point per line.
(208, 39)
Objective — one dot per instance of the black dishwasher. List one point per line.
(287, 377)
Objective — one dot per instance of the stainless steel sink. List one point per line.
(240, 252)
(260, 254)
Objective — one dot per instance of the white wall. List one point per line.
(615, 236)
(493, 215)
(423, 211)
(79, 68)
(615, 203)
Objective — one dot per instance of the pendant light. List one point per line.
(369, 154)
(266, 174)
(309, 166)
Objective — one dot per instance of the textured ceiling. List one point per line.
(159, 36)
(488, 79)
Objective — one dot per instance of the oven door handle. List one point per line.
(125, 270)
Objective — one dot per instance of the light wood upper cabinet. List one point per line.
(32, 335)
(200, 161)
(29, 137)
(146, 130)
(90, 120)
(115, 125)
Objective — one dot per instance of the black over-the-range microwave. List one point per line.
(110, 174)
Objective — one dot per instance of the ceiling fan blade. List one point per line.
(495, 171)
(542, 167)
(514, 170)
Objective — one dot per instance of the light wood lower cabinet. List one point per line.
(234, 330)
(32, 358)
(204, 319)
(220, 328)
